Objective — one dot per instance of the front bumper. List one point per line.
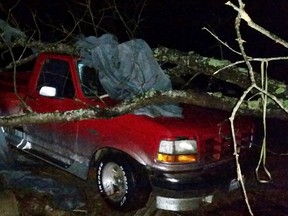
(181, 204)
(197, 181)
(185, 191)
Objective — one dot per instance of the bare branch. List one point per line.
(243, 15)
(222, 42)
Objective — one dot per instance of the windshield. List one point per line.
(89, 80)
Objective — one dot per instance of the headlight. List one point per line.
(177, 151)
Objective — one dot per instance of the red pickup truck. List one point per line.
(181, 160)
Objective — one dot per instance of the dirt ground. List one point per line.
(265, 199)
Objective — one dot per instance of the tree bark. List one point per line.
(187, 97)
(195, 63)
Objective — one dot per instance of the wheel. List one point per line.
(121, 183)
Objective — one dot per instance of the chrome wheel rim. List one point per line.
(114, 181)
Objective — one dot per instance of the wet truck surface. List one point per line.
(181, 159)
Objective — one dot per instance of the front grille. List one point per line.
(222, 147)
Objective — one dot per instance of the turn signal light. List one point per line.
(166, 158)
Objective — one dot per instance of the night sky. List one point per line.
(175, 24)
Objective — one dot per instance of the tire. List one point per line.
(122, 183)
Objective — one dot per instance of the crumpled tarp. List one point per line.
(126, 70)
(65, 197)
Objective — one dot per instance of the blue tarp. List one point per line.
(126, 70)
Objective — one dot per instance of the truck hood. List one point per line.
(208, 124)
(197, 120)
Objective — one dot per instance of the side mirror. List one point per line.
(47, 91)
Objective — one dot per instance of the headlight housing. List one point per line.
(177, 151)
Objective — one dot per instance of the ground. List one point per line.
(265, 199)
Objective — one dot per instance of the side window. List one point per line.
(55, 73)
(89, 80)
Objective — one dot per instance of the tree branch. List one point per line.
(186, 97)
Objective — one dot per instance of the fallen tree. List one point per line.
(185, 65)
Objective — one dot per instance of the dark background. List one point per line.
(175, 24)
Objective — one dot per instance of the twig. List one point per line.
(264, 66)
(91, 16)
(240, 101)
(268, 59)
(242, 15)
(222, 42)
(238, 167)
(14, 82)
(246, 17)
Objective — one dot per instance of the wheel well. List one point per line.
(112, 151)
(104, 151)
